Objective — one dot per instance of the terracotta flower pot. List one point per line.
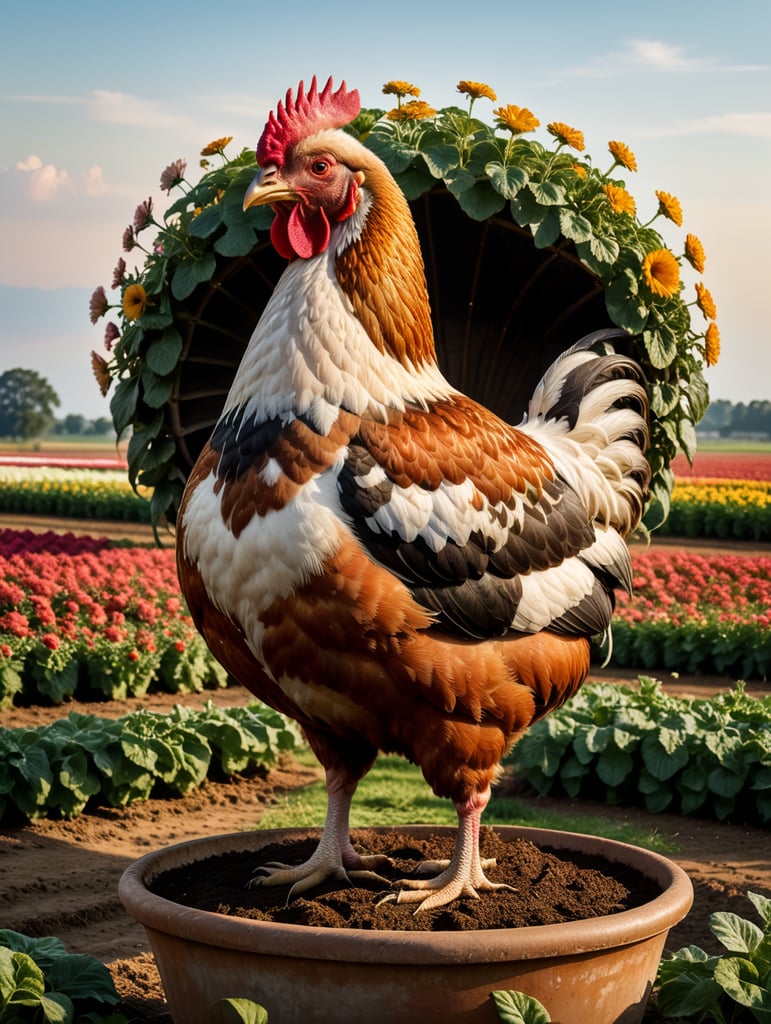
(597, 971)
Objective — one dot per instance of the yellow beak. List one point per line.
(267, 188)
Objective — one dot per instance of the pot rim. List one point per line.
(396, 947)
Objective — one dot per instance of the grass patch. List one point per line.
(728, 444)
(395, 793)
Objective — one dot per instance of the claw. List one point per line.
(464, 875)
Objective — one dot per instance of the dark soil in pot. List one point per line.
(548, 887)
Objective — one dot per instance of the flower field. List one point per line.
(725, 466)
(707, 507)
(79, 615)
(693, 613)
(83, 493)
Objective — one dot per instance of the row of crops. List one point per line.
(83, 618)
(701, 506)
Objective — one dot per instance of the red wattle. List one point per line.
(308, 236)
(279, 236)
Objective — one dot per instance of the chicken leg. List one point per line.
(334, 857)
(465, 873)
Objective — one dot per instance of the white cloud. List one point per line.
(756, 124)
(123, 108)
(660, 56)
(112, 107)
(654, 56)
(44, 181)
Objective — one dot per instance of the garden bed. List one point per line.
(60, 877)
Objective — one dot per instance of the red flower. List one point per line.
(15, 623)
(51, 641)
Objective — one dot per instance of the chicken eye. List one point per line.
(320, 168)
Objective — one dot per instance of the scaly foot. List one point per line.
(464, 875)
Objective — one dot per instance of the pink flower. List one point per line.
(98, 304)
(111, 334)
(173, 175)
(143, 216)
(119, 273)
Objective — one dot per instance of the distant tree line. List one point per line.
(725, 418)
(27, 404)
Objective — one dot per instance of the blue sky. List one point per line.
(97, 98)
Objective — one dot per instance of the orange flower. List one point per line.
(134, 301)
(705, 302)
(620, 200)
(400, 89)
(694, 253)
(580, 170)
(670, 207)
(516, 119)
(216, 146)
(415, 110)
(661, 272)
(477, 90)
(623, 155)
(712, 344)
(566, 135)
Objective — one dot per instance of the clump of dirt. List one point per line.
(545, 888)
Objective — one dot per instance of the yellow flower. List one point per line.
(670, 206)
(134, 301)
(216, 146)
(694, 253)
(400, 89)
(712, 344)
(620, 200)
(517, 119)
(477, 90)
(705, 302)
(580, 170)
(623, 155)
(566, 135)
(415, 110)
(661, 272)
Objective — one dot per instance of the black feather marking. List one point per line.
(473, 589)
(477, 609)
(240, 447)
(590, 617)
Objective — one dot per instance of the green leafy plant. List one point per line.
(518, 1008)
(41, 982)
(54, 770)
(239, 1011)
(551, 189)
(734, 988)
(711, 757)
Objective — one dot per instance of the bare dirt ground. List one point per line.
(60, 877)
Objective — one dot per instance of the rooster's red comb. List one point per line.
(309, 113)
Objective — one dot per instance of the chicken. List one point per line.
(373, 553)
